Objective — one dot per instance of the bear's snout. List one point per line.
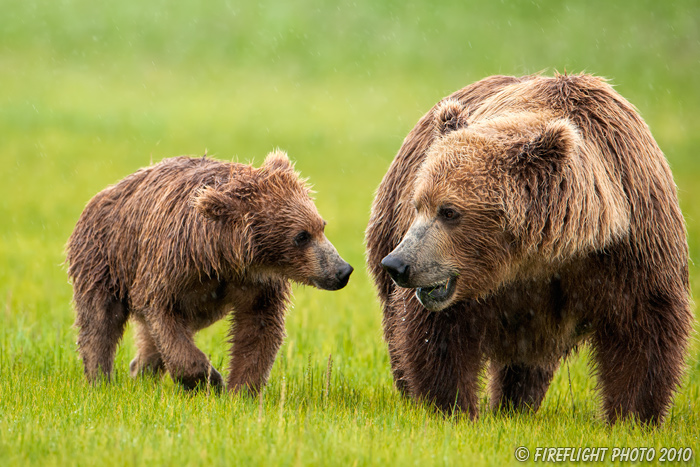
(332, 271)
(397, 269)
(337, 280)
(343, 275)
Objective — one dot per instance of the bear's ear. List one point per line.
(449, 117)
(213, 203)
(557, 141)
(278, 160)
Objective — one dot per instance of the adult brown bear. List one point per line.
(521, 217)
(183, 243)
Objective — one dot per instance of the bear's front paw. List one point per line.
(209, 377)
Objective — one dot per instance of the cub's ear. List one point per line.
(278, 160)
(557, 141)
(448, 117)
(213, 203)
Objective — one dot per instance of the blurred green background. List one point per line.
(91, 90)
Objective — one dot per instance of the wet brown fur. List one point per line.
(571, 233)
(178, 246)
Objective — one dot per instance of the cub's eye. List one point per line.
(302, 238)
(448, 214)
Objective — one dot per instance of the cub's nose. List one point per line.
(343, 275)
(397, 269)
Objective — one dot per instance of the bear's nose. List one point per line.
(343, 275)
(397, 269)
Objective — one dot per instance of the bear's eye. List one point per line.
(448, 214)
(302, 238)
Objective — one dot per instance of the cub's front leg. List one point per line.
(257, 332)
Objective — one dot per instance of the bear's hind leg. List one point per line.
(148, 359)
(186, 364)
(100, 321)
(519, 386)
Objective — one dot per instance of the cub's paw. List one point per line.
(203, 380)
(151, 365)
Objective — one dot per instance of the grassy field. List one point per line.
(90, 91)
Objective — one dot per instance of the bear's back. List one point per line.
(148, 211)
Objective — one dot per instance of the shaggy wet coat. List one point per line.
(183, 243)
(521, 217)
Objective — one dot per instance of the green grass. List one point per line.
(90, 91)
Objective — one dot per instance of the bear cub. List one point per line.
(185, 242)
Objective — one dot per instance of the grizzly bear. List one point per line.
(183, 243)
(521, 218)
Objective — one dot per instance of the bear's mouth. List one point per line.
(437, 296)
